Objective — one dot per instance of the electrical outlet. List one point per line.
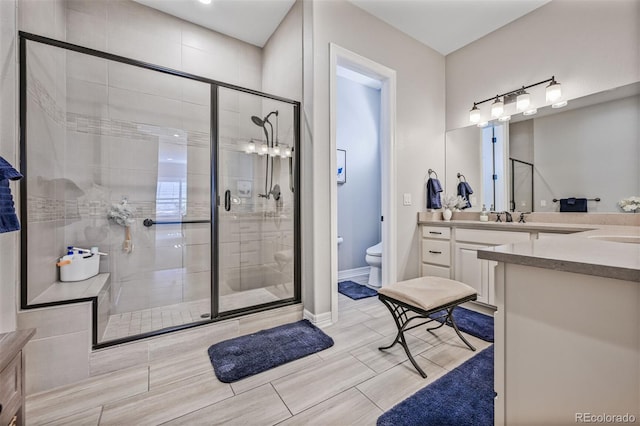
(543, 203)
(406, 199)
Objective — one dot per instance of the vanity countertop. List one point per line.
(589, 249)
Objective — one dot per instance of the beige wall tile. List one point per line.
(56, 320)
(56, 361)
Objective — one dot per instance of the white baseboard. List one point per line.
(350, 273)
(319, 320)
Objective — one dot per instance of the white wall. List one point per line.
(606, 164)
(282, 57)
(589, 46)
(419, 130)
(359, 198)
(9, 151)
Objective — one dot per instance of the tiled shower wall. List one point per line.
(113, 157)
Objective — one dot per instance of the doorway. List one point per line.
(343, 60)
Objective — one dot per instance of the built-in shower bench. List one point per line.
(73, 291)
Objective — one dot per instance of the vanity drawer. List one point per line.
(435, 251)
(435, 271)
(10, 390)
(438, 232)
(491, 237)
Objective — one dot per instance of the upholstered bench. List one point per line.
(419, 298)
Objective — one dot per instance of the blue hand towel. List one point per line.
(464, 190)
(573, 205)
(8, 219)
(433, 194)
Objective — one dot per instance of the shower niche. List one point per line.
(207, 174)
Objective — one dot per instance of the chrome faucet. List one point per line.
(509, 217)
(521, 220)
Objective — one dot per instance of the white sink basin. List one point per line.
(632, 239)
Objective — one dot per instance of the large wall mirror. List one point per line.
(588, 149)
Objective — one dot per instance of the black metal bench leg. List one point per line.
(455, 327)
(398, 314)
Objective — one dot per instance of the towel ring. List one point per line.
(429, 174)
(463, 176)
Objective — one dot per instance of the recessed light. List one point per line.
(530, 112)
(176, 135)
(505, 118)
(559, 104)
(483, 124)
(205, 1)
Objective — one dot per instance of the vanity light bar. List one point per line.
(553, 94)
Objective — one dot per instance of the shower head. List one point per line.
(257, 121)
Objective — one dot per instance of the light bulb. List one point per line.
(553, 91)
(264, 149)
(276, 150)
(530, 111)
(505, 118)
(287, 152)
(523, 101)
(559, 104)
(251, 148)
(497, 108)
(474, 114)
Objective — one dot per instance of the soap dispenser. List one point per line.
(484, 215)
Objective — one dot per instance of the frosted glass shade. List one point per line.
(474, 115)
(497, 108)
(523, 101)
(554, 92)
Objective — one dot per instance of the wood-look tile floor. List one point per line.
(351, 383)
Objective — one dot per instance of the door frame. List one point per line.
(342, 57)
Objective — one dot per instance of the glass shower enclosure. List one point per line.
(185, 184)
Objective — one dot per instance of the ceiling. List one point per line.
(448, 25)
(444, 25)
(252, 21)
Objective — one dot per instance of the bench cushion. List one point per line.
(428, 293)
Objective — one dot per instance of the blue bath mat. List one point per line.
(245, 356)
(355, 290)
(462, 397)
(471, 322)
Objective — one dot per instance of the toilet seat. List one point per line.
(375, 250)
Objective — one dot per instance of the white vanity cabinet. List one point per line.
(436, 251)
(452, 252)
(473, 271)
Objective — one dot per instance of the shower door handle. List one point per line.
(227, 200)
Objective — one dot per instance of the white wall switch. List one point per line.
(406, 199)
(543, 203)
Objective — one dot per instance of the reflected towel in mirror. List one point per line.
(464, 190)
(573, 205)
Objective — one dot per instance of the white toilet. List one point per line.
(374, 259)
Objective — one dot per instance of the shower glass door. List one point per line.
(255, 184)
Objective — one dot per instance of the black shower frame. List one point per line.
(216, 316)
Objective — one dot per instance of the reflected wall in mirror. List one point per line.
(589, 149)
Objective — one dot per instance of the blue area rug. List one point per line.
(471, 322)
(245, 356)
(462, 397)
(355, 290)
